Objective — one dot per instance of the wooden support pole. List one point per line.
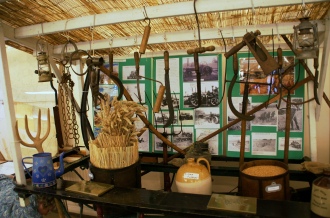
(14, 143)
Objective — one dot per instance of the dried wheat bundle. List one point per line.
(116, 145)
(113, 157)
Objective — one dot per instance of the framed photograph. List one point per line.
(259, 83)
(183, 137)
(209, 94)
(175, 101)
(234, 143)
(208, 68)
(174, 72)
(212, 142)
(132, 90)
(265, 116)
(186, 117)
(237, 102)
(296, 116)
(158, 146)
(264, 144)
(144, 141)
(207, 117)
(162, 117)
(295, 144)
(129, 72)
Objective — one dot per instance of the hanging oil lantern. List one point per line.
(305, 39)
(43, 71)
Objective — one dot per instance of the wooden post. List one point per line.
(14, 143)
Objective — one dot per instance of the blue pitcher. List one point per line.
(43, 173)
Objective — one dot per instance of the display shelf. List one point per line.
(168, 203)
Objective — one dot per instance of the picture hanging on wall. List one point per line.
(234, 143)
(209, 93)
(132, 90)
(183, 137)
(175, 97)
(266, 116)
(237, 102)
(129, 72)
(144, 141)
(208, 68)
(207, 117)
(186, 117)
(162, 118)
(174, 72)
(296, 116)
(295, 144)
(213, 143)
(261, 84)
(158, 144)
(264, 143)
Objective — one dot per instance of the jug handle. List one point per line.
(26, 169)
(206, 161)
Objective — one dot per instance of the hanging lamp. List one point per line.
(305, 39)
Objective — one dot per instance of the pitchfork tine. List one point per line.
(37, 141)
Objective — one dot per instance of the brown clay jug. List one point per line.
(194, 178)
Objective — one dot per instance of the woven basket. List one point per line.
(115, 156)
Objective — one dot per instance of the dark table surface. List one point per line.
(168, 203)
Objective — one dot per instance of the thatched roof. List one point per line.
(24, 13)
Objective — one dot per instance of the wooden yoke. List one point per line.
(37, 141)
(145, 120)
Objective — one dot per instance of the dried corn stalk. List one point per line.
(116, 145)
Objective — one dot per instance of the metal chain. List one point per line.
(68, 109)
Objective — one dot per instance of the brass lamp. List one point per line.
(43, 71)
(305, 41)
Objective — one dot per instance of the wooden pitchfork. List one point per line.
(37, 141)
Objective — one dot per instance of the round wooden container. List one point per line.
(265, 187)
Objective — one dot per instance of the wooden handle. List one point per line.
(137, 59)
(166, 60)
(145, 38)
(235, 49)
(235, 63)
(159, 99)
(200, 50)
(111, 62)
(280, 57)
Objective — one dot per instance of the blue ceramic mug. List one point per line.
(43, 173)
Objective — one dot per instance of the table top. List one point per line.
(168, 203)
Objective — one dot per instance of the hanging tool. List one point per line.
(198, 74)
(137, 57)
(280, 65)
(168, 90)
(245, 96)
(266, 62)
(316, 78)
(115, 78)
(57, 120)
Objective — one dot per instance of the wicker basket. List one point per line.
(113, 157)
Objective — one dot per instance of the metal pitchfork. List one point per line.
(37, 141)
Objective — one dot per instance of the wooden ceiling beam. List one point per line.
(153, 12)
(189, 35)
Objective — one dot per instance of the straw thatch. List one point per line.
(26, 12)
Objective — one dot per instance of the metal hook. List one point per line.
(146, 15)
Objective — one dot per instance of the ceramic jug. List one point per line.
(43, 173)
(194, 178)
